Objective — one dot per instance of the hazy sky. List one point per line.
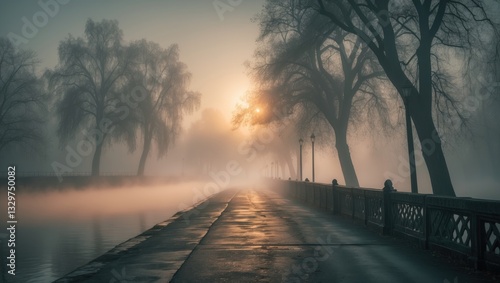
(213, 44)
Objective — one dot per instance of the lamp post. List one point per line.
(313, 137)
(278, 174)
(407, 90)
(301, 142)
(277, 169)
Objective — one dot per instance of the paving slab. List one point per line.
(259, 236)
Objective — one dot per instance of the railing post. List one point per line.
(366, 207)
(335, 196)
(388, 189)
(353, 204)
(295, 189)
(314, 193)
(477, 242)
(427, 224)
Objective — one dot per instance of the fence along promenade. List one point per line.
(463, 227)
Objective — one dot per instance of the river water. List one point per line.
(60, 230)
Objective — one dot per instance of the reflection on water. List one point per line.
(59, 231)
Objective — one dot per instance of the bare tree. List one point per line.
(406, 37)
(166, 81)
(88, 79)
(21, 98)
(312, 63)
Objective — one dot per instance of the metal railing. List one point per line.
(466, 227)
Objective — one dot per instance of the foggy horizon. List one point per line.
(215, 56)
(163, 140)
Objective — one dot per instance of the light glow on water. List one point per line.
(59, 231)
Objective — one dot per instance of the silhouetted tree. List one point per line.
(312, 63)
(88, 79)
(406, 37)
(22, 100)
(165, 80)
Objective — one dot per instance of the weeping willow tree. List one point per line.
(88, 81)
(166, 82)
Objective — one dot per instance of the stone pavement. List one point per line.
(260, 236)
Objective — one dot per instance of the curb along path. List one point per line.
(259, 236)
(156, 254)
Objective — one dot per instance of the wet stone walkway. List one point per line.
(260, 236)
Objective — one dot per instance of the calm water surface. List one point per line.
(58, 231)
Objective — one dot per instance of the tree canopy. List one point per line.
(22, 98)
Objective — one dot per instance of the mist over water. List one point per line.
(194, 101)
(58, 231)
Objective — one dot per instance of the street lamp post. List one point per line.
(301, 142)
(313, 137)
(277, 170)
(407, 90)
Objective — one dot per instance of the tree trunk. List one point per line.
(420, 103)
(351, 179)
(290, 166)
(144, 155)
(432, 152)
(421, 113)
(388, 57)
(96, 160)
(99, 141)
(345, 160)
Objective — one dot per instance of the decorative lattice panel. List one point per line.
(310, 194)
(345, 203)
(408, 217)
(323, 197)
(317, 196)
(451, 228)
(492, 237)
(295, 191)
(375, 211)
(359, 206)
(329, 199)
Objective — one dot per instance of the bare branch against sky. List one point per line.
(218, 40)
